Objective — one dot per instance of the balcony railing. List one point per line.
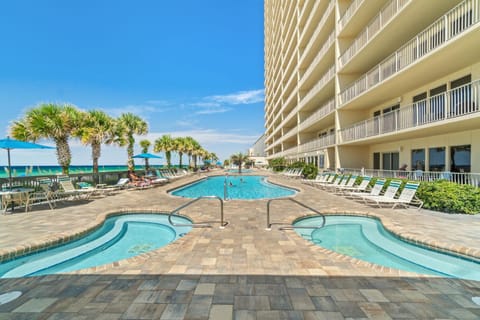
(318, 86)
(323, 111)
(419, 175)
(349, 13)
(317, 144)
(451, 104)
(321, 53)
(455, 22)
(385, 15)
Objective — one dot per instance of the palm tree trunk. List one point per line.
(64, 155)
(96, 151)
(180, 154)
(130, 163)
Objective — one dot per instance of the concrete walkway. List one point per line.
(242, 271)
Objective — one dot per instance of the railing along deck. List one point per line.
(456, 21)
(451, 104)
(470, 178)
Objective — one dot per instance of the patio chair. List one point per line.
(336, 181)
(346, 183)
(15, 198)
(362, 187)
(46, 194)
(375, 191)
(406, 197)
(329, 179)
(69, 189)
(390, 193)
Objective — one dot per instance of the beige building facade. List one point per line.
(373, 84)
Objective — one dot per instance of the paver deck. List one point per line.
(242, 271)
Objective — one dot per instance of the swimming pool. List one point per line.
(366, 239)
(120, 237)
(237, 187)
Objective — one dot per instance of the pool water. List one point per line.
(237, 187)
(366, 239)
(119, 238)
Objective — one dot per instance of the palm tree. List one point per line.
(96, 128)
(190, 146)
(145, 144)
(165, 143)
(238, 159)
(197, 151)
(130, 124)
(180, 148)
(50, 121)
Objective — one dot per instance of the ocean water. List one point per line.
(23, 171)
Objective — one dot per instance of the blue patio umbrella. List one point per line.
(146, 156)
(9, 144)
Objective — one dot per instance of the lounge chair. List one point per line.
(362, 187)
(406, 198)
(390, 193)
(347, 182)
(330, 179)
(375, 191)
(69, 189)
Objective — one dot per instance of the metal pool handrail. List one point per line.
(289, 227)
(205, 224)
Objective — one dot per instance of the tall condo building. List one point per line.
(373, 83)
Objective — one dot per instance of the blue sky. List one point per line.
(187, 67)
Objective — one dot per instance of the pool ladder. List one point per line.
(290, 227)
(205, 224)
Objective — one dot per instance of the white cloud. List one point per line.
(241, 97)
(211, 110)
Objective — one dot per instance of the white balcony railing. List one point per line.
(451, 104)
(455, 22)
(317, 144)
(327, 77)
(386, 14)
(349, 13)
(320, 55)
(420, 175)
(323, 111)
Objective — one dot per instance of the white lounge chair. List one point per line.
(390, 193)
(375, 191)
(406, 197)
(362, 187)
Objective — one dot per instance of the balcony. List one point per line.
(385, 15)
(349, 13)
(319, 58)
(456, 22)
(439, 109)
(324, 80)
(317, 144)
(322, 112)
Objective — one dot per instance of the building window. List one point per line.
(376, 160)
(390, 161)
(436, 159)
(460, 158)
(418, 159)
(321, 161)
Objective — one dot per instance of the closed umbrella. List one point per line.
(9, 144)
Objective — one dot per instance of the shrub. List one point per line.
(277, 164)
(310, 171)
(449, 197)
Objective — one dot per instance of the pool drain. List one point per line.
(476, 300)
(9, 296)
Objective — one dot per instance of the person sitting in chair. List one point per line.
(136, 180)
